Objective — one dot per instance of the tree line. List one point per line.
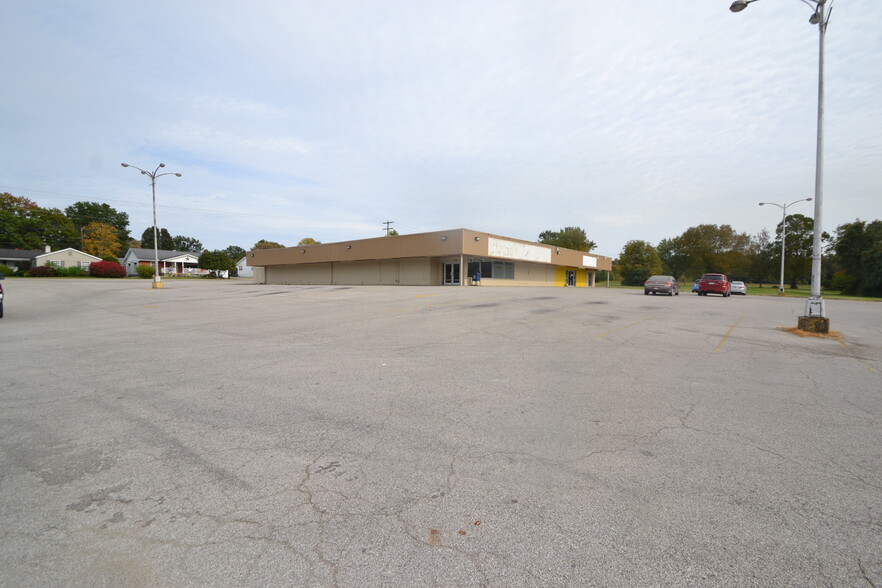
(852, 256)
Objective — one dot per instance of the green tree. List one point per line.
(263, 244)
(84, 213)
(25, 225)
(392, 233)
(101, 240)
(216, 261)
(797, 247)
(637, 262)
(761, 253)
(308, 241)
(166, 241)
(858, 247)
(182, 243)
(235, 252)
(713, 248)
(672, 257)
(568, 237)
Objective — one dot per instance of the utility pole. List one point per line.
(387, 229)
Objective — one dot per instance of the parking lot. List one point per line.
(222, 433)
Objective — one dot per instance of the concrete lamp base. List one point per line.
(814, 324)
(157, 284)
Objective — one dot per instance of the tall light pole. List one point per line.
(815, 316)
(783, 208)
(157, 281)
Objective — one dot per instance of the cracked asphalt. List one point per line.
(220, 433)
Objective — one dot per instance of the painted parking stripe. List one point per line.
(726, 336)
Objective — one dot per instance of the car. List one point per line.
(661, 285)
(2, 275)
(714, 284)
(695, 285)
(738, 288)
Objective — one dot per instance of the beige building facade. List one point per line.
(451, 258)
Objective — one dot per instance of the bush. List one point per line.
(145, 271)
(71, 272)
(6, 271)
(43, 271)
(107, 269)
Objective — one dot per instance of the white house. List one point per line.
(244, 270)
(65, 258)
(170, 262)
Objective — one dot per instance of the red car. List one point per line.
(714, 284)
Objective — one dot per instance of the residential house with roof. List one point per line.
(170, 262)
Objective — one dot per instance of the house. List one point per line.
(243, 270)
(170, 262)
(453, 258)
(26, 259)
(65, 258)
(18, 258)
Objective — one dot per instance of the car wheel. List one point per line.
(1, 310)
(645, 293)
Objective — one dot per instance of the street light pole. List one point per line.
(815, 316)
(783, 208)
(157, 281)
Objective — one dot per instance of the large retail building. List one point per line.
(452, 258)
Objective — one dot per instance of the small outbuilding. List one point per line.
(456, 257)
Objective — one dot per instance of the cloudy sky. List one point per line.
(634, 119)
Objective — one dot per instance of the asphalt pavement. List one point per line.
(221, 433)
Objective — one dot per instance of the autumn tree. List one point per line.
(84, 213)
(308, 241)
(568, 237)
(101, 240)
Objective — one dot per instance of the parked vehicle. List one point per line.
(714, 284)
(1, 295)
(695, 285)
(738, 288)
(661, 285)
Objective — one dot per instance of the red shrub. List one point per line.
(43, 271)
(106, 269)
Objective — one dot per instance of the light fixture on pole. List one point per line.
(783, 208)
(157, 281)
(815, 317)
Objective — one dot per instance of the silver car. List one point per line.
(738, 288)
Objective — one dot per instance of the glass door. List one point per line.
(451, 274)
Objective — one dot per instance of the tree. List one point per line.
(712, 248)
(798, 247)
(262, 244)
(101, 240)
(392, 233)
(182, 243)
(761, 253)
(568, 237)
(165, 240)
(236, 253)
(858, 247)
(308, 241)
(637, 262)
(84, 213)
(672, 257)
(216, 261)
(25, 225)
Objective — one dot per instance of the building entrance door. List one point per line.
(451, 274)
(571, 277)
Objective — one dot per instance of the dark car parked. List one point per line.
(661, 285)
(1, 295)
(714, 284)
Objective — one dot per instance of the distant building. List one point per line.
(170, 262)
(441, 258)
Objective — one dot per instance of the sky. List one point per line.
(633, 119)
